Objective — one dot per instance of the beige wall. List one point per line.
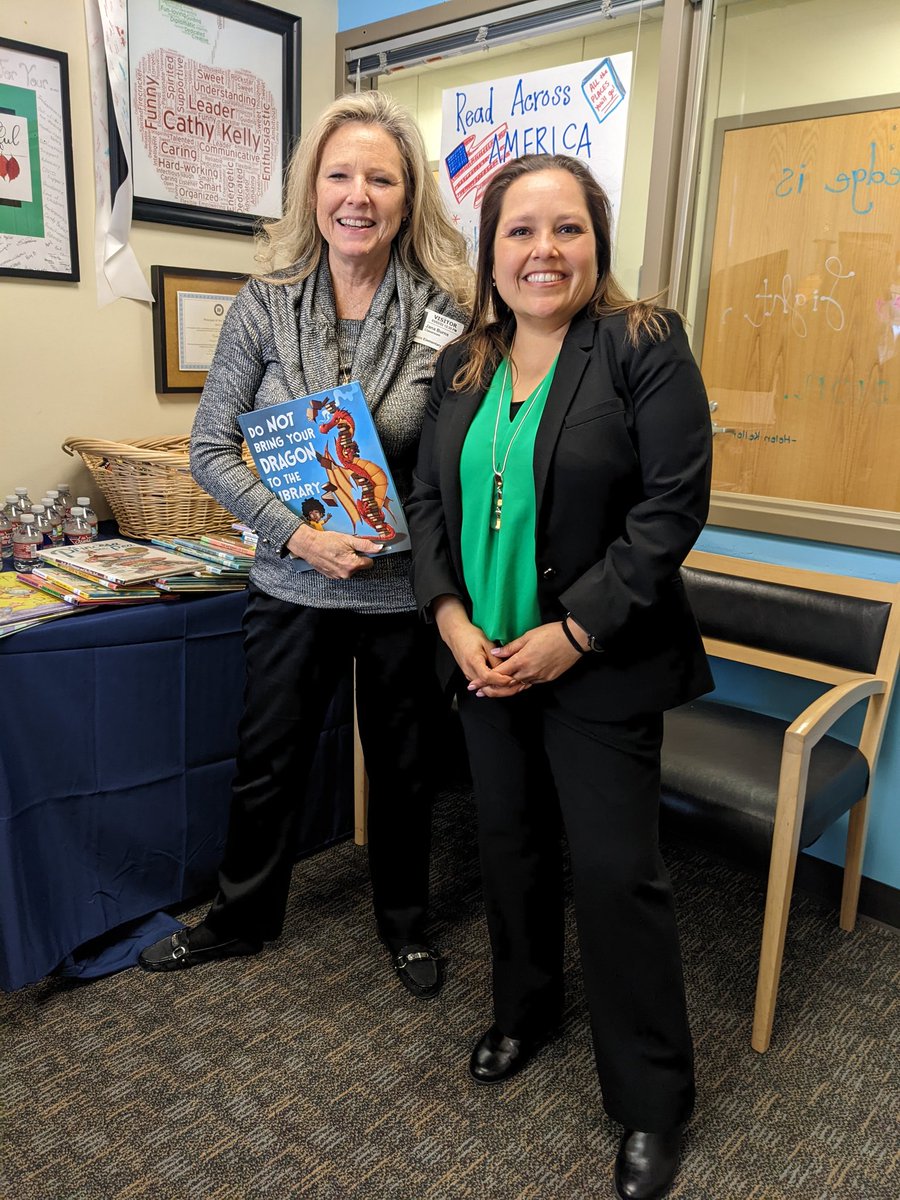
(70, 368)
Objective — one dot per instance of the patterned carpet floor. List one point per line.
(308, 1071)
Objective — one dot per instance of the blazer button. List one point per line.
(548, 572)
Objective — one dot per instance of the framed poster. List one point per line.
(801, 322)
(215, 109)
(188, 311)
(37, 196)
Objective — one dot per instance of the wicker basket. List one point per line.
(147, 484)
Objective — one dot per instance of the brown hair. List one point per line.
(429, 245)
(489, 333)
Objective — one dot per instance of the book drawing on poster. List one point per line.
(321, 455)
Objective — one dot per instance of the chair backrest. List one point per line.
(830, 628)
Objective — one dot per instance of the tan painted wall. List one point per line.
(69, 368)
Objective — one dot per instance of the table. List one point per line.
(117, 742)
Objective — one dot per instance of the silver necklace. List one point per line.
(498, 469)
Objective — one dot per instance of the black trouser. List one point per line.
(294, 658)
(536, 766)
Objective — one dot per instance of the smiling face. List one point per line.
(360, 194)
(545, 251)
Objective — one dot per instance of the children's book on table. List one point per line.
(119, 562)
(321, 455)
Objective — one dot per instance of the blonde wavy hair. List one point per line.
(429, 246)
(489, 333)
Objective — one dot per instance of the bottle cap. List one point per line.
(52, 493)
(77, 511)
(85, 500)
(20, 491)
(11, 498)
(27, 518)
(37, 508)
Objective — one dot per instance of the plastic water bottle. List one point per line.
(76, 527)
(64, 499)
(12, 510)
(41, 524)
(6, 539)
(24, 498)
(26, 543)
(54, 516)
(89, 515)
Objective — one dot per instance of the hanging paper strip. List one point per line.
(118, 272)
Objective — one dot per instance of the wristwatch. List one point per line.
(593, 644)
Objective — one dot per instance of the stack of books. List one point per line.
(21, 606)
(220, 563)
(110, 572)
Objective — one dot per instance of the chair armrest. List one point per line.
(815, 720)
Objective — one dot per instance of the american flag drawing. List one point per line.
(469, 164)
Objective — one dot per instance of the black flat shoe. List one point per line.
(419, 970)
(174, 953)
(497, 1057)
(647, 1164)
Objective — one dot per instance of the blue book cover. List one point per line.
(321, 455)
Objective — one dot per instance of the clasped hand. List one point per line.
(538, 656)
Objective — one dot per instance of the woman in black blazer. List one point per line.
(563, 475)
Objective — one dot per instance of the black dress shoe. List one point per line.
(647, 1164)
(419, 970)
(497, 1057)
(176, 952)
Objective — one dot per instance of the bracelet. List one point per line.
(571, 636)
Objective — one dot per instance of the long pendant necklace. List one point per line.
(498, 469)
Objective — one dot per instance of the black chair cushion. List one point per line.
(720, 768)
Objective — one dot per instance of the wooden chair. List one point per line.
(760, 788)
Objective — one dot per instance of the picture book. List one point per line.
(321, 455)
(18, 602)
(118, 561)
(88, 589)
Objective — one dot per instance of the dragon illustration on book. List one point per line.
(356, 484)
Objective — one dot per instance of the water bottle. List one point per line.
(12, 510)
(89, 515)
(76, 527)
(54, 516)
(24, 500)
(6, 539)
(26, 543)
(41, 524)
(64, 499)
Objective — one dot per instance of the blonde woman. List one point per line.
(374, 271)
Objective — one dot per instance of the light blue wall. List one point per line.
(354, 13)
(783, 696)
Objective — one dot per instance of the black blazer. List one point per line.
(622, 476)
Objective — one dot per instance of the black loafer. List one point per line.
(497, 1057)
(174, 953)
(647, 1164)
(419, 970)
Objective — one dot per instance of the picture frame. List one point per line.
(38, 234)
(798, 320)
(187, 317)
(214, 101)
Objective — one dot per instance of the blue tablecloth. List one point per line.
(117, 742)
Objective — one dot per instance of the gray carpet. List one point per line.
(309, 1072)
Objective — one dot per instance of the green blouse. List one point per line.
(499, 564)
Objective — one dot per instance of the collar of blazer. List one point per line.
(573, 359)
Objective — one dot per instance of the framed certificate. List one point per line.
(188, 311)
(214, 110)
(37, 196)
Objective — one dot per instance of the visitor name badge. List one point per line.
(437, 330)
